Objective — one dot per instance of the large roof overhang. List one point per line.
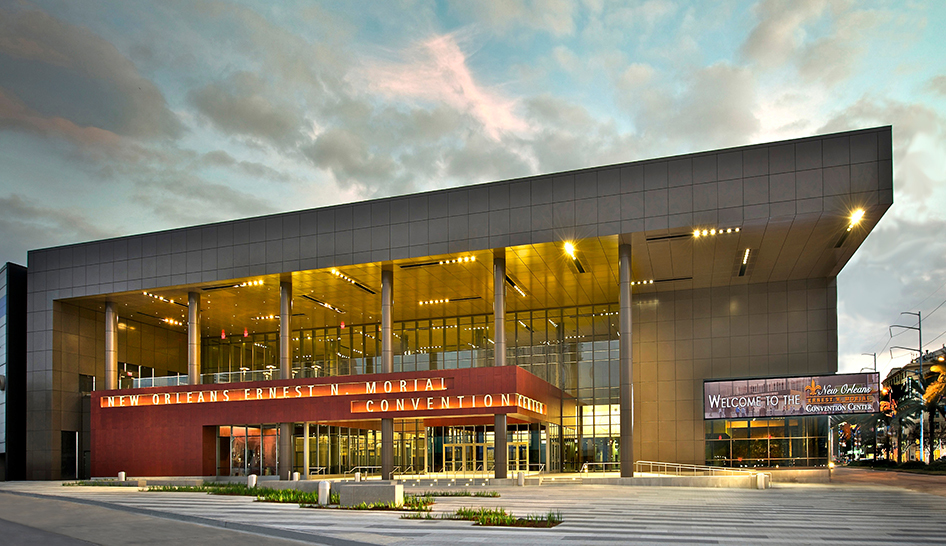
(780, 249)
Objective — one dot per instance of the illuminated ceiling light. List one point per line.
(249, 283)
(266, 317)
(697, 233)
(458, 260)
(350, 280)
(324, 304)
(172, 322)
(570, 250)
(515, 286)
(856, 217)
(573, 253)
(165, 300)
(552, 322)
(744, 266)
(433, 302)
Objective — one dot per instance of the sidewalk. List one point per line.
(787, 514)
(923, 483)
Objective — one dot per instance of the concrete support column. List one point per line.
(111, 346)
(387, 366)
(499, 350)
(286, 446)
(626, 362)
(286, 455)
(285, 329)
(499, 311)
(500, 451)
(305, 451)
(193, 338)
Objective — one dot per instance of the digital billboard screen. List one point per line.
(786, 396)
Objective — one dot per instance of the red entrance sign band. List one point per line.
(431, 384)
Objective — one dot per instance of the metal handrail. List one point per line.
(354, 469)
(584, 467)
(678, 469)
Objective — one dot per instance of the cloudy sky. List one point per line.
(126, 117)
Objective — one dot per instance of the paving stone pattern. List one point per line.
(786, 514)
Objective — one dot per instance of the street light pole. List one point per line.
(875, 358)
(919, 331)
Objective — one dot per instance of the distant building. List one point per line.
(12, 372)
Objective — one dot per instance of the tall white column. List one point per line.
(626, 362)
(387, 366)
(193, 338)
(499, 350)
(111, 346)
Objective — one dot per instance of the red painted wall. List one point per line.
(179, 439)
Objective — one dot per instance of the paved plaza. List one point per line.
(852, 510)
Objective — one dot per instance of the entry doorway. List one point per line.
(467, 458)
(518, 456)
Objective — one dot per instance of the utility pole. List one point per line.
(919, 331)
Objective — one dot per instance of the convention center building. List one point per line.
(680, 309)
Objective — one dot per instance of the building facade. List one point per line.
(614, 292)
(12, 372)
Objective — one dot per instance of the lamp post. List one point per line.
(875, 359)
(919, 331)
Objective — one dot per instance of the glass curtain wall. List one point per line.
(344, 450)
(573, 348)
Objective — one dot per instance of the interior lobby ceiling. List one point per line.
(798, 247)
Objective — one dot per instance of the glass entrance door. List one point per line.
(453, 458)
(518, 456)
(464, 457)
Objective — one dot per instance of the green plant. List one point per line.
(417, 515)
(418, 502)
(499, 517)
(491, 494)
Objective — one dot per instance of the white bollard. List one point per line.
(325, 490)
(121, 476)
(296, 476)
(521, 479)
(251, 480)
(357, 476)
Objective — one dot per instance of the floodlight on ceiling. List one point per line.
(572, 252)
(856, 217)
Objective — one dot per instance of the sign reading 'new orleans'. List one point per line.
(786, 396)
(421, 388)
